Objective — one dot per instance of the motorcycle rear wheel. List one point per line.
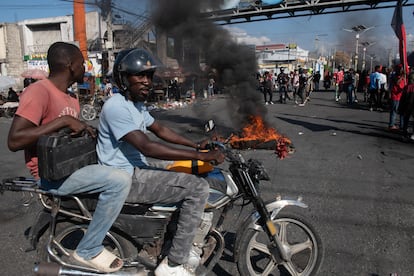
(88, 112)
(297, 236)
(68, 235)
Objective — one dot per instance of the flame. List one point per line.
(256, 132)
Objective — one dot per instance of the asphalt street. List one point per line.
(355, 175)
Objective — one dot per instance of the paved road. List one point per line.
(357, 178)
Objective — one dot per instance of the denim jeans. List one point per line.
(156, 185)
(394, 113)
(350, 94)
(112, 184)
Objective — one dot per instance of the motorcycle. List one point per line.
(91, 110)
(275, 239)
(327, 83)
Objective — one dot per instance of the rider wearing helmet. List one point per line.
(131, 62)
(123, 143)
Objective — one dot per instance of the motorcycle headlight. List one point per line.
(256, 170)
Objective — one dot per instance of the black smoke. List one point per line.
(233, 65)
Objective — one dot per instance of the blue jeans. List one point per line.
(350, 94)
(113, 185)
(393, 114)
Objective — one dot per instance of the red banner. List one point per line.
(399, 29)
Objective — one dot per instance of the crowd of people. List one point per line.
(384, 89)
(297, 85)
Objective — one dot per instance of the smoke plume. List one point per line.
(233, 65)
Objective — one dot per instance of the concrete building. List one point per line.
(273, 56)
(24, 45)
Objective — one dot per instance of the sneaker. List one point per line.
(266, 103)
(355, 101)
(296, 102)
(371, 109)
(336, 99)
(271, 103)
(163, 269)
(412, 137)
(302, 104)
(393, 128)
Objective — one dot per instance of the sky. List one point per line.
(324, 33)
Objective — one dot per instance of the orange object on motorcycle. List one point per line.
(191, 166)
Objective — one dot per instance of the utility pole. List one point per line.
(80, 26)
(359, 29)
(107, 55)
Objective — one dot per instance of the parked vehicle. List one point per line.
(275, 239)
(8, 109)
(90, 111)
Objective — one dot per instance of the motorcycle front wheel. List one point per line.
(302, 243)
(88, 112)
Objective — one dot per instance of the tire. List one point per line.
(68, 235)
(294, 232)
(88, 112)
(9, 112)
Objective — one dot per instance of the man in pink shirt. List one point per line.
(45, 107)
(339, 82)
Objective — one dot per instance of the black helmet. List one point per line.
(132, 62)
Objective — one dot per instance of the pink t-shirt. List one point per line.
(40, 103)
(340, 77)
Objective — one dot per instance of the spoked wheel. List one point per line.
(88, 112)
(68, 236)
(9, 112)
(298, 238)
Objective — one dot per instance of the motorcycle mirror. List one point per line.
(209, 126)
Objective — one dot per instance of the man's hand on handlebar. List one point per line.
(202, 145)
(215, 156)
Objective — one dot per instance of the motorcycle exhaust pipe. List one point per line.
(54, 269)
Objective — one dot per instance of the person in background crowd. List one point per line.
(383, 87)
(210, 87)
(397, 85)
(283, 81)
(356, 85)
(374, 88)
(348, 85)
(316, 80)
(327, 80)
(406, 106)
(339, 81)
(108, 88)
(365, 80)
(295, 85)
(310, 84)
(12, 95)
(303, 81)
(268, 87)
(27, 82)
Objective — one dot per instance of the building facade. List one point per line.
(24, 45)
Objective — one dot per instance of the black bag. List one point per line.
(60, 155)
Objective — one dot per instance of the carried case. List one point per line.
(60, 155)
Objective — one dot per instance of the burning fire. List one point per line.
(257, 135)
